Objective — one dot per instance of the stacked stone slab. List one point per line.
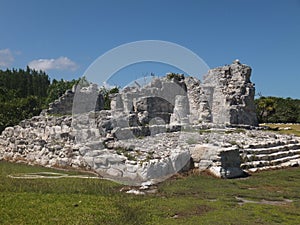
(272, 155)
(45, 141)
(222, 162)
(52, 141)
(55, 142)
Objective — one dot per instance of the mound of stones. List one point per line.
(224, 152)
(172, 124)
(51, 141)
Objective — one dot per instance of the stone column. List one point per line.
(181, 110)
(116, 103)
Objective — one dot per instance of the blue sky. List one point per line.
(65, 36)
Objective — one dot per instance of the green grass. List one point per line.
(195, 199)
(295, 128)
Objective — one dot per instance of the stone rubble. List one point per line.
(225, 152)
(172, 124)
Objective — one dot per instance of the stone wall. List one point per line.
(226, 96)
(151, 132)
(63, 105)
(232, 94)
(78, 100)
(52, 141)
(224, 152)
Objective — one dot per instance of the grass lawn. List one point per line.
(294, 128)
(270, 197)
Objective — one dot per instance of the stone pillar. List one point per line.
(116, 103)
(204, 112)
(181, 110)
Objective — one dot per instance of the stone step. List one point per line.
(291, 163)
(270, 150)
(272, 156)
(273, 144)
(285, 159)
(267, 163)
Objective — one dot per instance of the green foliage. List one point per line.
(106, 92)
(175, 76)
(23, 83)
(58, 88)
(12, 112)
(128, 153)
(278, 110)
(22, 93)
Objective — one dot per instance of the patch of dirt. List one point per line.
(243, 201)
(51, 175)
(197, 211)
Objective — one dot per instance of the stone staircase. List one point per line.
(268, 156)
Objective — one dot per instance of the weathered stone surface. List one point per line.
(181, 110)
(154, 131)
(78, 100)
(155, 107)
(232, 94)
(221, 162)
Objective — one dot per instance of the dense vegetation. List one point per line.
(24, 93)
(57, 89)
(278, 110)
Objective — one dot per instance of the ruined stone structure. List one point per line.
(172, 124)
(232, 94)
(226, 96)
(86, 98)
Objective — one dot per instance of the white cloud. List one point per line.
(6, 58)
(61, 63)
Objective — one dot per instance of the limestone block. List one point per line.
(115, 159)
(84, 150)
(181, 110)
(180, 160)
(95, 145)
(100, 160)
(203, 152)
(131, 168)
(113, 172)
(157, 169)
(93, 153)
(123, 133)
(157, 129)
(89, 161)
(204, 164)
(116, 103)
(63, 162)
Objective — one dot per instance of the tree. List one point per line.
(22, 94)
(106, 92)
(57, 89)
(278, 110)
(265, 107)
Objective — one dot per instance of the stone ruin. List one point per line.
(226, 96)
(172, 124)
